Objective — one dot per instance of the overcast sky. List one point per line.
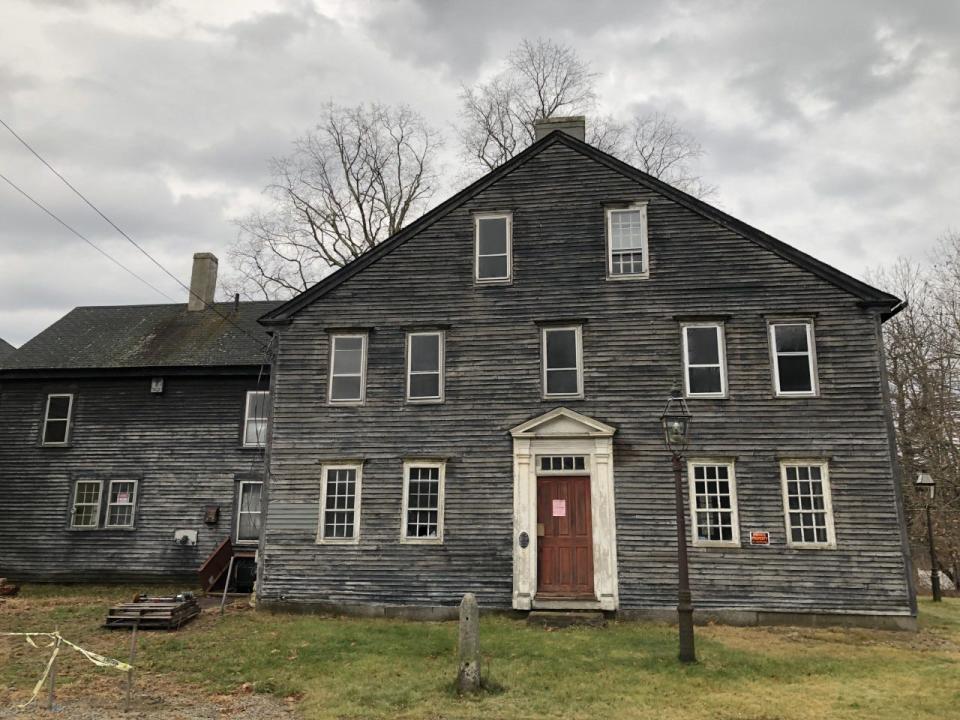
(834, 126)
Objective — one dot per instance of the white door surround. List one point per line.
(564, 432)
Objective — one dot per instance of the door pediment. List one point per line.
(562, 423)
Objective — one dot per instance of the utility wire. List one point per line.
(127, 237)
(81, 236)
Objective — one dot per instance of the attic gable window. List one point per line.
(348, 369)
(794, 358)
(493, 248)
(255, 418)
(56, 420)
(627, 255)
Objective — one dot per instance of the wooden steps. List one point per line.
(154, 613)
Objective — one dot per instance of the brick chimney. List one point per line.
(575, 125)
(203, 281)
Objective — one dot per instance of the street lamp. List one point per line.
(925, 482)
(676, 419)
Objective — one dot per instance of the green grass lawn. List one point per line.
(352, 668)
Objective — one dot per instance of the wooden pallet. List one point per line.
(153, 613)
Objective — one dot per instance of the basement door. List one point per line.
(564, 537)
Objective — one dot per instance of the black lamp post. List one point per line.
(676, 419)
(925, 482)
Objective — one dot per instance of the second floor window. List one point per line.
(627, 241)
(56, 420)
(794, 358)
(704, 363)
(562, 362)
(255, 419)
(425, 367)
(348, 365)
(493, 248)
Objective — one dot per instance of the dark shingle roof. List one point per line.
(6, 349)
(148, 336)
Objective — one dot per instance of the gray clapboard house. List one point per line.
(474, 406)
(132, 439)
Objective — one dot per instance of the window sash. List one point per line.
(419, 510)
(706, 503)
(49, 421)
(809, 354)
(248, 515)
(814, 524)
(255, 418)
(547, 369)
(88, 502)
(350, 502)
(631, 258)
(508, 252)
(361, 374)
(721, 363)
(438, 373)
(124, 516)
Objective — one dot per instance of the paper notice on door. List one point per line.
(559, 508)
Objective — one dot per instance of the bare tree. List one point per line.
(544, 78)
(349, 183)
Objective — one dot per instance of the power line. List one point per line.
(81, 236)
(127, 237)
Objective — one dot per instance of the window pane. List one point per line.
(424, 386)
(249, 526)
(347, 360)
(346, 388)
(705, 380)
(492, 238)
(257, 404)
(791, 338)
(424, 353)
(702, 346)
(794, 373)
(562, 382)
(626, 229)
(561, 349)
(55, 431)
(256, 433)
(59, 408)
(250, 499)
(492, 267)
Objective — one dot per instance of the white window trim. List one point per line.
(442, 336)
(321, 540)
(543, 362)
(363, 369)
(132, 504)
(236, 522)
(734, 542)
(73, 507)
(722, 356)
(824, 466)
(46, 419)
(476, 248)
(247, 418)
(644, 245)
(811, 353)
(407, 464)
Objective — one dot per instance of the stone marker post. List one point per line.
(468, 675)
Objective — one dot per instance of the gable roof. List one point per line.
(148, 336)
(867, 294)
(6, 349)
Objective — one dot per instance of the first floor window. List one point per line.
(86, 504)
(121, 502)
(493, 248)
(255, 419)
(423, 502)
(627, 241)
(56, 420)
(714, 504)
(425, 367)
(248, 511)
(704, 364)
(348, 364)
(562, 370)
(794, 358)
(340, 504)
(807, 504)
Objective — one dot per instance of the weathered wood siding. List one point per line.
(631, 353)
(183, 446)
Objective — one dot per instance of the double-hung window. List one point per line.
(704, 360)
(425, 367)
(713, 505)
(627, 242)
(808, 508)
(56, 419)
(422, 502)
(493, 248)
(121, 501)
(562, 361)
(794, 358)
(348, 369)
(340, 504)
(255, 418)
(248, 511)
(86, 504)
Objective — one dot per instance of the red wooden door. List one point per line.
(565, 543)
